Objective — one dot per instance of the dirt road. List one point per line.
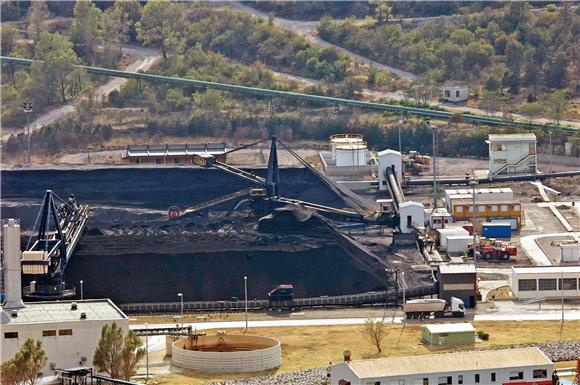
(145, 59)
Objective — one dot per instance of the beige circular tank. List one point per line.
(227, 353)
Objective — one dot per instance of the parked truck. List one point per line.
(439, 308)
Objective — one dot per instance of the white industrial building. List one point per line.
(503, 194)
(512, 154)
(412, 216)
(69, 331)
(491, 367)
(389, 158)
(455, 93)
(546, 282)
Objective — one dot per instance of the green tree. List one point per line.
(117, 23)
(37, 14)
(162, 24)
(117, 355)
(491, 102)
(557, 102)
(9, 36)
(53, 74)
(23, 368)
(382, 11)
(514, 58)
(556, 71)
(86, 29)
(533, 110)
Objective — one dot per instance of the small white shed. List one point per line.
(389, 158)
(412, 215)
(456, 93)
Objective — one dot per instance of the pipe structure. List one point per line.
(394, 187)
(495, 179)
(425, 112)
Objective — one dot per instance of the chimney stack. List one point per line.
(12, 270)
(346, 356)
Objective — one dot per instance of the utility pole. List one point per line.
(81, 289)
(550, 150)
(473, 183)
(27, 106)
(180, 295)
(246, 299)
(147, 352)
(434, 128)
(561, 293)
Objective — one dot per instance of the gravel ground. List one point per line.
(561, 351)
(305, 377)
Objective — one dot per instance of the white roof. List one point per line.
(60, 311)
(388, 151)
(449, 362)
(546, 269)
(511, 137)
(459, 230)
(457, 268)
(450, 328)
(411, 203)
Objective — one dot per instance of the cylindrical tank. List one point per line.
(351, 154)
(342, 139)
(12, 274)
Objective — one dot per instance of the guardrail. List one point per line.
(436, 114)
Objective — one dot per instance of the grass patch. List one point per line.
(310, 347)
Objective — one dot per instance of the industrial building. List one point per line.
(348, 157)
(458, 280)
(512, 154)
(546, 282)
(455, 93)
(69, 331)
(492, 204)
(491, 367)
(448, 334)
(172, 153)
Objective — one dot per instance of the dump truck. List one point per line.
(439, 308)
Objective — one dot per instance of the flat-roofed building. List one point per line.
(69, 331)
(172, 153)
(512, 154)
(448, 334)
(521, 366)
(546, 282)
(458, 280)
(508, 211)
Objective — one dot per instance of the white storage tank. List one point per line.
(342, 139)
(351, 154)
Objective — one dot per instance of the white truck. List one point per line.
(439, 308)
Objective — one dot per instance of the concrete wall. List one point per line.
(65, 351)
(267, 356)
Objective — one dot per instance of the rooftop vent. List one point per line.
(73, 306)
(346, 354)
(83, 315)
(14, 313)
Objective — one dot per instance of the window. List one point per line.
(540, 373)
(481, 209)
(494, 208)
(459, 209)
(425, 381)
(49, 333)
(477, 378)
(547, 283)
(499, 147)
(11, 335)
(445, 380)
(447, 93)
(65, 332)
(516, 376)
(527, 285)
(470, 209)
(374, 383)
(516, 207)
(157, 161)
(569, 284)
(503, 207)
(460, 379)
(492, 377)
(457, 93)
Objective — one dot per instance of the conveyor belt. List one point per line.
(353, 300)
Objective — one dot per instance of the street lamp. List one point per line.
(27, 106)
(180, 295)
(246, 298)
(404, 287)
(81, 289)
(550, 150)
(434, 128)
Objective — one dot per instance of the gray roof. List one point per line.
(457, 268)
(174, 149)
(449, 362)
(511, 137)
(60, 311)
(450, 328)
